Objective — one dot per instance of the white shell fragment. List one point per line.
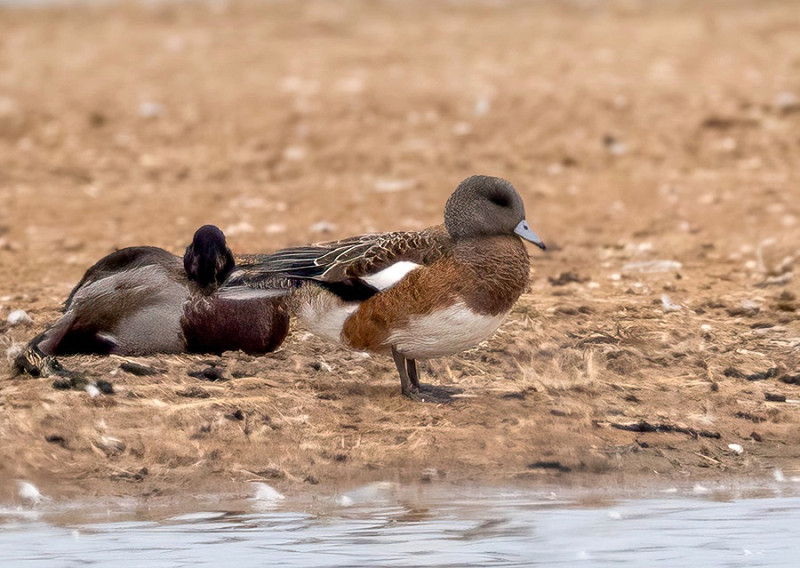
(27, 491)
(18, 317)
(266, 496)
(669, 305)
(735, 448)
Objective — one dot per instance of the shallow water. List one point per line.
(386, 525)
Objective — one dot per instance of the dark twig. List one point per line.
(644, 426)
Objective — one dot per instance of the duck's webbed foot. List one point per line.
(33, 362)
(410, 385)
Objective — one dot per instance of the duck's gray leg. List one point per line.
(406, 384)
(411, 366)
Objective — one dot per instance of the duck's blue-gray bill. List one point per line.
(524, 231)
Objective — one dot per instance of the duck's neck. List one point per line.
(501, 268)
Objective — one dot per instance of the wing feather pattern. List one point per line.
(339, 264)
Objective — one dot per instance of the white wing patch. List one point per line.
(390, 275)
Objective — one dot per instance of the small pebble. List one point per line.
(29, 492)
(482, 106)
(787, 102)
(462, 128)
(735, 448)
(774, 397)
(747, 308)
(212, 374)
(615, 147)
(56, 439)
(393, 185)
(275, 228)
(105, 387)
(323, 227)
(193, 392)
(150, 109)
(294, 154)
(18, 317)
(237, 415)
(669, 305)
(266, 494)
(321, 366)
(139, 370)
(567, 278)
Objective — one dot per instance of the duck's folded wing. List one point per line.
(356, 258)
(121, 261)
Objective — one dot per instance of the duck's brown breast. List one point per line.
(213, 325)
(494, 272)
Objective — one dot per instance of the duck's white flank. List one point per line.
(444, 332)
(390, 275)
(324, 314)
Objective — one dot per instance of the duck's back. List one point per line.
(122, 260)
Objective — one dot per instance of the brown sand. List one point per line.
(636, 131)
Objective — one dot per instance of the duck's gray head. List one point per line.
(485, 205)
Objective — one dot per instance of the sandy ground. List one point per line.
(656, 145)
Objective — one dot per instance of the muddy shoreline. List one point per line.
(660, 337)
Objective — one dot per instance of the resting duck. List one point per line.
(143, 300)
(417, 295)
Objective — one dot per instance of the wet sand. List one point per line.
(655, 145)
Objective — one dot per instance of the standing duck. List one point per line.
(416, 295)
(144, 300)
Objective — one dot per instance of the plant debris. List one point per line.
(140, 370)
(644, 426)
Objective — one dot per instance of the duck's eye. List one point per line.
(500, 200)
